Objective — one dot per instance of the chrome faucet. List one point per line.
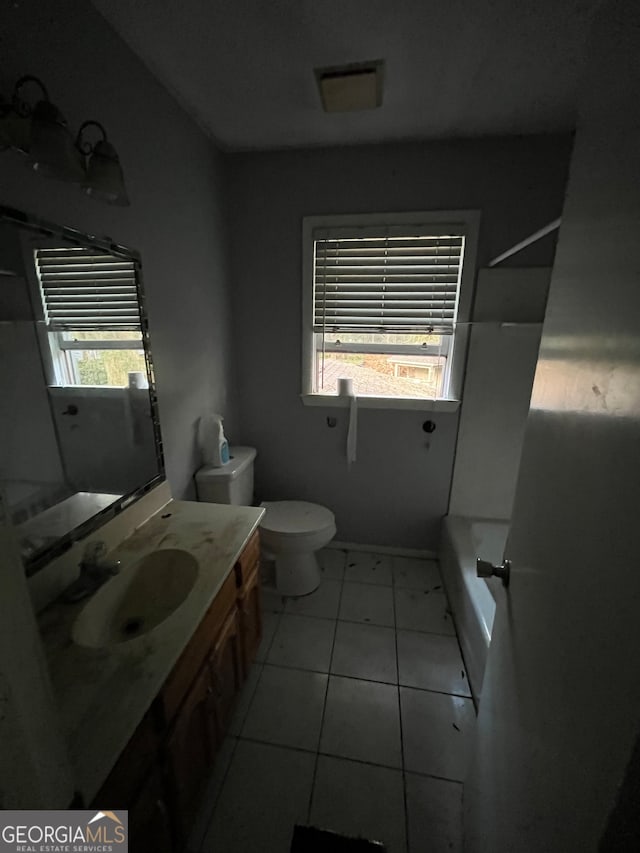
(94, 572)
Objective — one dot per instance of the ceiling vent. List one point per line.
(348, 88)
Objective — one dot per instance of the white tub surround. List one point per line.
(503, 350)
(103, 693)
(472, 599)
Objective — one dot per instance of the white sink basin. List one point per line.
(138, 600)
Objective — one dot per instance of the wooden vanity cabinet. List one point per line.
(162, 772)
(137, 783)
(190, 750)
(198, 651)
(150, 826)
(250, 609)
(247, 571)
(227, 671)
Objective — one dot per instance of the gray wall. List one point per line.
(398, 489)
(176, 219)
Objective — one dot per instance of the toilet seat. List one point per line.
(292, 531)
(296, 517)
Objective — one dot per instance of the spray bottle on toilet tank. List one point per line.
(214, 447)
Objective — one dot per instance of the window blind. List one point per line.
(407, 282)
(85, 289)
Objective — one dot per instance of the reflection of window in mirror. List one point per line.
(88, 303)
(79, 433)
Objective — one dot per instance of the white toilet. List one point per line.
(290, 532)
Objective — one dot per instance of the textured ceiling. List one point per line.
(244, 68)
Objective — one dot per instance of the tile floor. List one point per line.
(356, 717)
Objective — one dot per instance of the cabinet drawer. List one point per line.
(248, 560)
(193, 657)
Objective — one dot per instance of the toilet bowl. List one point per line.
(291, 532)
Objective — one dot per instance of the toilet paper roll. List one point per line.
(137, 379)
(345, 387)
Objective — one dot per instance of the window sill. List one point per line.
(411, 404)
(91, 390)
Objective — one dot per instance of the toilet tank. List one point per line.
(231, 483)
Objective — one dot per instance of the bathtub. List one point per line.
(472, 599)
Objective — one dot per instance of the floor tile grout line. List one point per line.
(369, 624)
(465, 669)
(324, 704)
(438, 589)
(362, 678)
(404, 782)
(435, 589)
(335, 674)
(278, 614)
(236, 738)
(456, 635)
(216, 799)
(435, 633)
(360, 761)
(434, 776)
(322, 753)
(393, 585)
(437, 692)
(262, 665)
(318, 753)
(326, 754)
(361, 622)
(253, 696)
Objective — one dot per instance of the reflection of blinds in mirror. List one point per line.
(85, 289)
(399, 284)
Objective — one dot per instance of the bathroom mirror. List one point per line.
(79, 430)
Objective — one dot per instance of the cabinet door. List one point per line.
(250, 606)
(191, 749)
(226, 670)
(136, 763)
(149, 824)
(198, 651)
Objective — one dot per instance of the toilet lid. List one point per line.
(295, 517)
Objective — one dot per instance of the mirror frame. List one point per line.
(9, 215)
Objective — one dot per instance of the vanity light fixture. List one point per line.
(15, 117)
(41, 132)
(52, 151)
(104, 179)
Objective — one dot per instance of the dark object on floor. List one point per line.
(307, 839)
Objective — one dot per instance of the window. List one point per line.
(386, 303)
(90, 305)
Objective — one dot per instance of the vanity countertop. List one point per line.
(103, 693)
